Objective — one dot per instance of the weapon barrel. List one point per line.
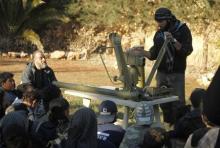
(86, 88)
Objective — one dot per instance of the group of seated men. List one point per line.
(36, 115)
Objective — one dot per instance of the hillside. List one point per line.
(90, 22)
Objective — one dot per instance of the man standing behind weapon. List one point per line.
(171, 71)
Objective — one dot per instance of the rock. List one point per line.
(23, 55)
(57, 54)
(84, 55)
(78, 56)
(4, 55)
(71, 55)
(153, 1)
(14, 54)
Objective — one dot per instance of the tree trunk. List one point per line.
(205, 48)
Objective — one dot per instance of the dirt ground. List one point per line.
(89, 72)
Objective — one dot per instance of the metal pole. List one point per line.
(123, 69)
(86, 88)
(157, 63)
(157, 115)
(141, 78)
(125, 117)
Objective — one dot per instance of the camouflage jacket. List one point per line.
(133, 137)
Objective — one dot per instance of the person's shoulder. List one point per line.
(48, 70)
(111, 126)
(137, 127)
(29, 67)
(119, 128)
(133, 136)
(212, 134)
(183, 27)
(159, 33)
(159, 37)
(135, 131)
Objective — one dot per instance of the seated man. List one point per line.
(8, 85)
(55, 126)
(28, 104)
(48, 94)
(21, 89)
(134, 136)
(107, 130)
(192, 120)
(38, 73)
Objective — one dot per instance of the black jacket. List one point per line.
(38, 78)
(183, 35)
(112, 133)
(187, 125)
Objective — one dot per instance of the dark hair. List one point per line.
(22, 88)
(4, 76)
(57, 108)
(197, 96)
(49, 93)
(82, 130)
(31, 95)
(154, 138)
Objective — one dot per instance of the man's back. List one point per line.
(133, 137)
(209, 139)
(111, 132)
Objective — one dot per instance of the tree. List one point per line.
(24, 17)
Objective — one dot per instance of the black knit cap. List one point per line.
(211, 105)
(162, 14)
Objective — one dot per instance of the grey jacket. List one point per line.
(30, 75)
